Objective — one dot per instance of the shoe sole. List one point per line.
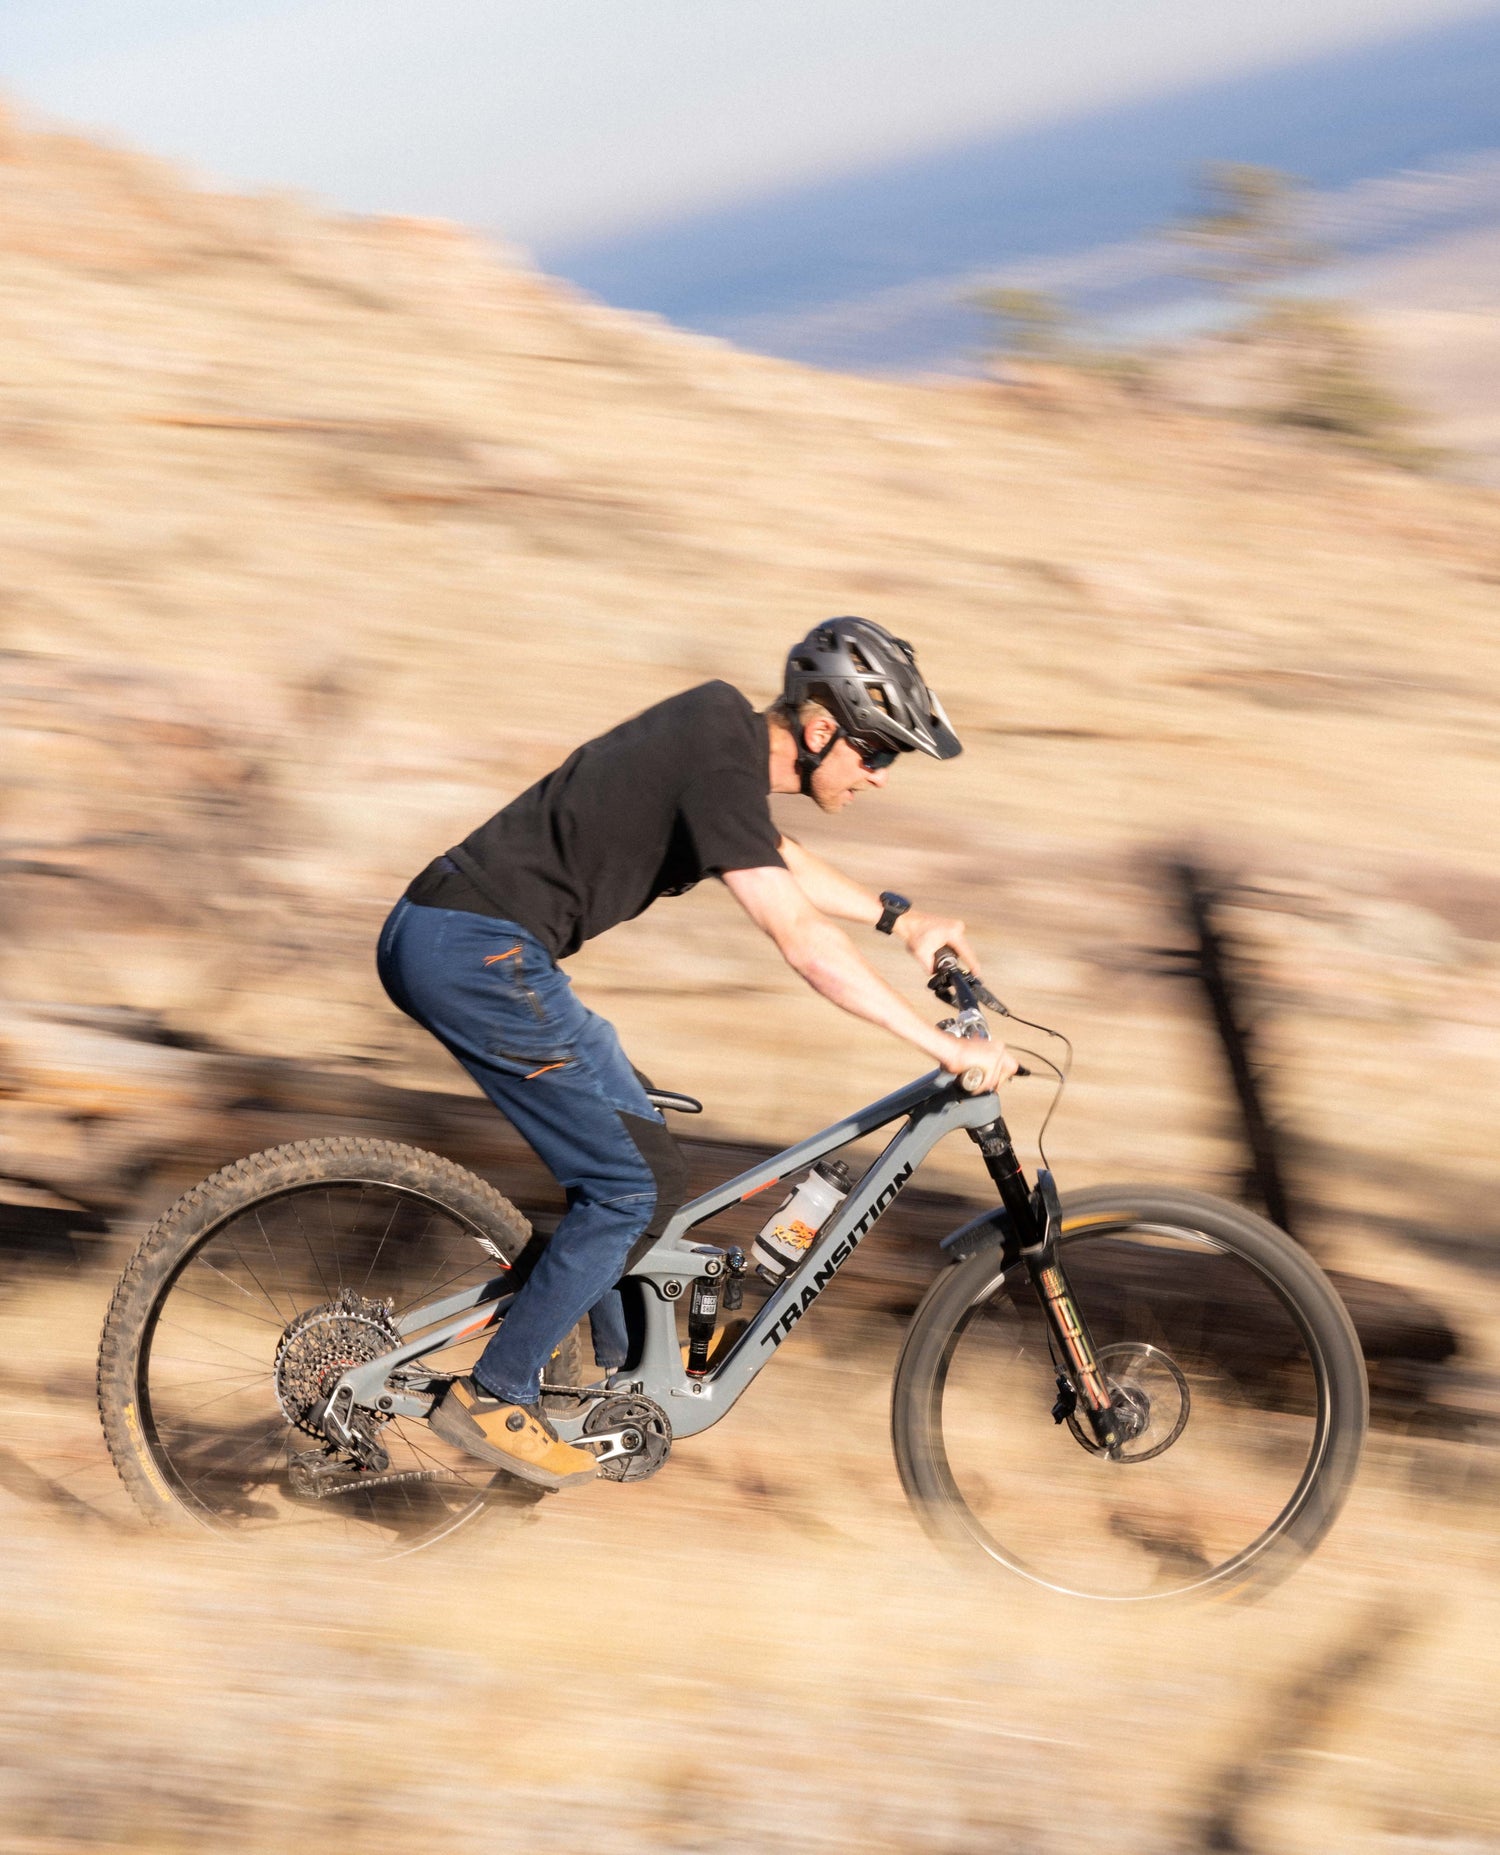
(458, 1431)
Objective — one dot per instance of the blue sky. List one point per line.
(555, 120)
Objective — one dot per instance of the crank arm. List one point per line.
(612, 1443)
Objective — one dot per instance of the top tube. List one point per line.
(936, 1085)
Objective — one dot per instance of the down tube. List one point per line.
(695, 1404)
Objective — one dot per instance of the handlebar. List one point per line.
(956, 986)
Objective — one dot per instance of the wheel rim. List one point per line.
(206, 1385)
(1188, 1510)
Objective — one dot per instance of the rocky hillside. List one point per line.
(320, 538)
(324, 536)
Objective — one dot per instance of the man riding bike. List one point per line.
(648, 809)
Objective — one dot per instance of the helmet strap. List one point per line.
(808, 761)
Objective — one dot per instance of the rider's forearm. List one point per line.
(823, 955)
(829, 890)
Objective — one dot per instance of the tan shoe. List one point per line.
(514, 1437)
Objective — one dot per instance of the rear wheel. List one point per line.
(1229, 1353)
(251, 1293)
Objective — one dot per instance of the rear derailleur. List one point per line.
(314, 1352)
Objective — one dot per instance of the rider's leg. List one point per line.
(610, 1334)
(495, 998)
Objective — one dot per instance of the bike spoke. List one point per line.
(1053, 1505)
(216, 1424)
(208, 1340)
(390, 1223)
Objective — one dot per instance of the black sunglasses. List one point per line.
(873, 757)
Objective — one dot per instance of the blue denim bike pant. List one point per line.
(493, 995)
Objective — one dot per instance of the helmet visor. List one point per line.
(945, 743)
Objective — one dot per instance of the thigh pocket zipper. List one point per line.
(512, 976)
(541, 1064)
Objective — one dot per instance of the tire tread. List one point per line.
(234, 1188)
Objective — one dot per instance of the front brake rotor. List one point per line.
(1151, 1399)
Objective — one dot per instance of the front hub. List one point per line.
(1150, 1399)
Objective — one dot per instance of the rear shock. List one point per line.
(703, 1317)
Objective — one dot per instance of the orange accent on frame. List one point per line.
(544, 1068)
(758, 1188)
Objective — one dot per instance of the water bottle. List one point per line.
(794, 1223)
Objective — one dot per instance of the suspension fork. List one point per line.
(1033, 1221)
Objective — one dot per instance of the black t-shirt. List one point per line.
(671, 796)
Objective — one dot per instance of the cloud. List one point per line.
(559, 118)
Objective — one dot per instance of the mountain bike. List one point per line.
(1124, 1393)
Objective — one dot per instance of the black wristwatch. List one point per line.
(895, 907)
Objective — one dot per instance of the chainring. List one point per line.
(636, 1413)
(318, 1348)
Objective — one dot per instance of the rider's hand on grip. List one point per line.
(974, 1082)
(978, 1080)
(981, 1067)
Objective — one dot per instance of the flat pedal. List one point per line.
(312, 1476)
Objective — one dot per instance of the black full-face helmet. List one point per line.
(869, 682)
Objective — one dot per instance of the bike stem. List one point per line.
(1032, 1220)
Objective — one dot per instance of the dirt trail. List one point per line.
(758, 1648)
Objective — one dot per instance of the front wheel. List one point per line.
(1224, 1340)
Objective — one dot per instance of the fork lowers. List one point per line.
(1071, 1337)
(1029, 1235)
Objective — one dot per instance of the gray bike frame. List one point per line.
(933, 1106)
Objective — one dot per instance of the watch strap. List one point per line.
(893, 907)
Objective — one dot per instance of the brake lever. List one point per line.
(947, 972)
(987, 998)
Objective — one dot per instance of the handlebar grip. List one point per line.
(945, 960)
(972, 1080)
